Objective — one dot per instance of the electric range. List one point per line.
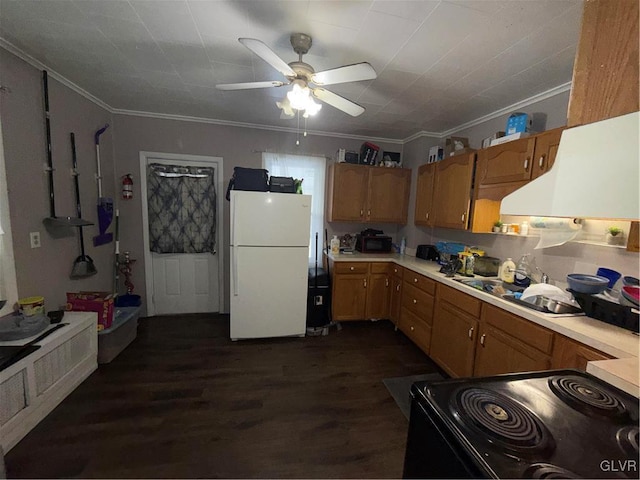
(549, 424)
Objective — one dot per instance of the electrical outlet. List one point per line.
(35, 239)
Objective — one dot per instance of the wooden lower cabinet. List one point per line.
(454, 333)
(416, 328)
(508, 343)
(568, 353)
(360, 290)
(416, 311)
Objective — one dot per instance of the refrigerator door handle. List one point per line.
(233, 223)
(234, 266)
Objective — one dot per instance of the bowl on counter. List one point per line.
(584, 283)
(630, 281)
(631, 294)
(612, 275)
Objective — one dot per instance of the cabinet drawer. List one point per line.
(379, 267)
(420, 281)
(418, 301)
(417, 330)
(461, 300)
(525, 331)
(351, 267)
(396, 270)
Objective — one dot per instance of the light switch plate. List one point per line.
(34, 237)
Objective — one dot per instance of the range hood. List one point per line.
(595, 175)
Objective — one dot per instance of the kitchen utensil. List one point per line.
(83, 265)
(58, 227)
(105, 204)
(540, 289)
(612, 275)
(583, 283)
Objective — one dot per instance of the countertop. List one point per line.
(615, 341)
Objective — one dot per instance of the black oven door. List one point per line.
(433, 451)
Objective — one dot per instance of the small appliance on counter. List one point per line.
(547, 424)
(373, 241)
(427, 252)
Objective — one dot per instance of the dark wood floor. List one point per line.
(184, 401)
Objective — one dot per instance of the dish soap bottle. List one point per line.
(522, 277)
(335, 245)
(507, 271)
(403, 246)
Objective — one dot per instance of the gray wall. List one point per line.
(237, 146)
(45, 270)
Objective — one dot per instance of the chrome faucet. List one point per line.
(544, 278)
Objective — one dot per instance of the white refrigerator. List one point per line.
(269, 264)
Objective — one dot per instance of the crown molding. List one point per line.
(229, 123)
(11, 48)
(185, 118)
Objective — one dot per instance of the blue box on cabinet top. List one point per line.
(518, 122)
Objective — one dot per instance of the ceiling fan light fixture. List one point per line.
(299, 95)
(312, 108)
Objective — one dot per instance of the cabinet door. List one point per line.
(497, 353)
(508, 162)
(568, 353)
(347, 192)
(545, 151)
(453, 340)
(424, 195)
(416, 329)
(605, 73)
(378, 295)
(396, 297)
(388, 194)
(349, 296)
(452, 193)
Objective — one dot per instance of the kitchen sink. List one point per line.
(499, 289)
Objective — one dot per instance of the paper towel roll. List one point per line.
(555, 231)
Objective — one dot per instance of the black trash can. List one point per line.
(318, 298)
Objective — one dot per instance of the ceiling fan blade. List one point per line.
(348, 73)
(248, 85)
(338, 102)
(265, 53)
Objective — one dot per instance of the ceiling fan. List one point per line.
(305, 80)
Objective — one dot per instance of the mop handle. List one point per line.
(99, 172)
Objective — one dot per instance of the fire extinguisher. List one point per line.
(127, 187)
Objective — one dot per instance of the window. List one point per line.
(312, 172)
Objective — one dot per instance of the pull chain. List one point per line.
(298, 133)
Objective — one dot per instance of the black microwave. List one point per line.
(373, 244)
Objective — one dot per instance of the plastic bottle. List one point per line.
(403, 246)
(507, 271)
(522, 277)
(524, 228)
(335, 245)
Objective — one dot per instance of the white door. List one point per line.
(185, 282)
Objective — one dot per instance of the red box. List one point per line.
(100, 302)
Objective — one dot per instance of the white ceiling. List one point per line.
(440, 64)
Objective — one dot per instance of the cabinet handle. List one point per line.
(351, 268)
(361, 212)
(482, 339)
(427, 215)
(364, 281)
(463, 215)
(415, 280)
(526, 164)
(541, 161)
(368, 213)
(411, 327)
(398, 288)
(415, 301)
(395, 270)
(386, 282)
(471, 332)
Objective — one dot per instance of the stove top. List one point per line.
(552, 424)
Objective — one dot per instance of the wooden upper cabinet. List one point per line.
(452, 192)
(388, 194)
(358, 193)
(605, 73)
(545, 151)
(424, 195)
(348, 186)
(508, 162)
